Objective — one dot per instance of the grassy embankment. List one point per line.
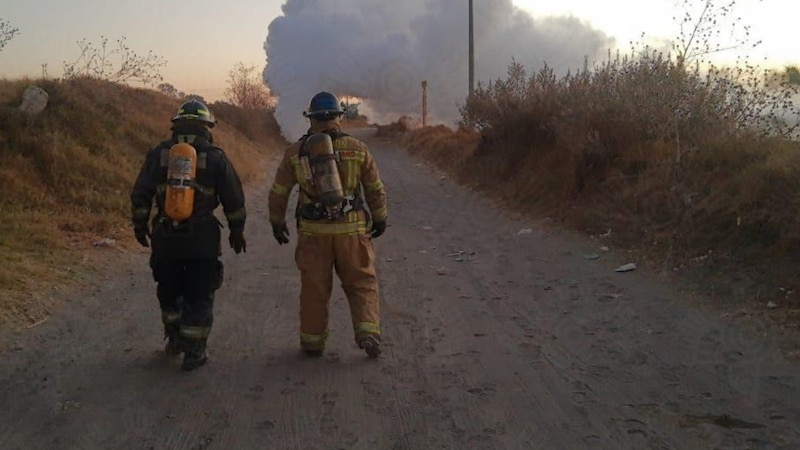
(66, 176)
(687, 173)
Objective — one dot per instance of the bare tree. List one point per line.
(118, 64)
(246, 89)
(7, 32)
(707, 27)
(170, 90)
(199, 98)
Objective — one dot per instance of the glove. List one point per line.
(142, 233)
(378, 228)
(281, 233)
(237, 241)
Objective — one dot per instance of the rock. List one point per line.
(626, 267)
(105, 242)
(34, 100)
(772, 305)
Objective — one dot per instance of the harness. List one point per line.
(315, 210)
(206, 193)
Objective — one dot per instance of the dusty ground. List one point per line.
(499, 333)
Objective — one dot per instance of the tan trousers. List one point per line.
(353, 259)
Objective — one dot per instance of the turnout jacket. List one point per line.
(360, 179)
(216, 182)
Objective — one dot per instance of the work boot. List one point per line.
(173, 347)
(193, 360)
(371, 345)
(195, 354)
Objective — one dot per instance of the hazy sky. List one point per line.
(201, 40)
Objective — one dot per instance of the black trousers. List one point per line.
(186, 293)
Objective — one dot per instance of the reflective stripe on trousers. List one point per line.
(313, 341)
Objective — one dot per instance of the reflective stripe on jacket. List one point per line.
(358, 172)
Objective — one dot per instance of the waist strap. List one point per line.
(317, 211)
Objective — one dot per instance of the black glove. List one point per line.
(378, 228)
(142, 233)
(281, 233)
(237, 241)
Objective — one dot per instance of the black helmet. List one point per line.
(195, 110)
(324, 106)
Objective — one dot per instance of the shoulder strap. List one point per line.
(303, 152)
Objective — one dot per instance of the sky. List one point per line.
(202, 40)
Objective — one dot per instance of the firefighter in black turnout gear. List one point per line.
(189, 177)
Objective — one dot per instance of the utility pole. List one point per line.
(471, 53)
(425, 103)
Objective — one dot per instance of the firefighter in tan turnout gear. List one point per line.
(188, 176)
(338, 180)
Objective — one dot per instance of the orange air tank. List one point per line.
(181, 171)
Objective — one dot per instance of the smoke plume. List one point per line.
(381, 51)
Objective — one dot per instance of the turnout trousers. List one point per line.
(352, 257)
(186, 295)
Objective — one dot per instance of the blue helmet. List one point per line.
(324, 106)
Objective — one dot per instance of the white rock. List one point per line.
(34, 100)
(626, 267)
(105, 242)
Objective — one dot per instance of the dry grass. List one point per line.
(693, 173)
(67, 175)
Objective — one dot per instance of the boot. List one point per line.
(174, 347)
(195, 355)
(192, 361)
(371, 345)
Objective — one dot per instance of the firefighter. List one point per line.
(189, 177)
(341, 207)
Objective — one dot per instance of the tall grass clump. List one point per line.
(677, 161)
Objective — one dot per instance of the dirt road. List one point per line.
(500, 333)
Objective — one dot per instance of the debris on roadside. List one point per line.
(105, 242)
(772, 305)
(591, 256)
(524, 231)
(461, 256)
(626, 267)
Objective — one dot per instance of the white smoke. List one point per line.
(381, 51)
